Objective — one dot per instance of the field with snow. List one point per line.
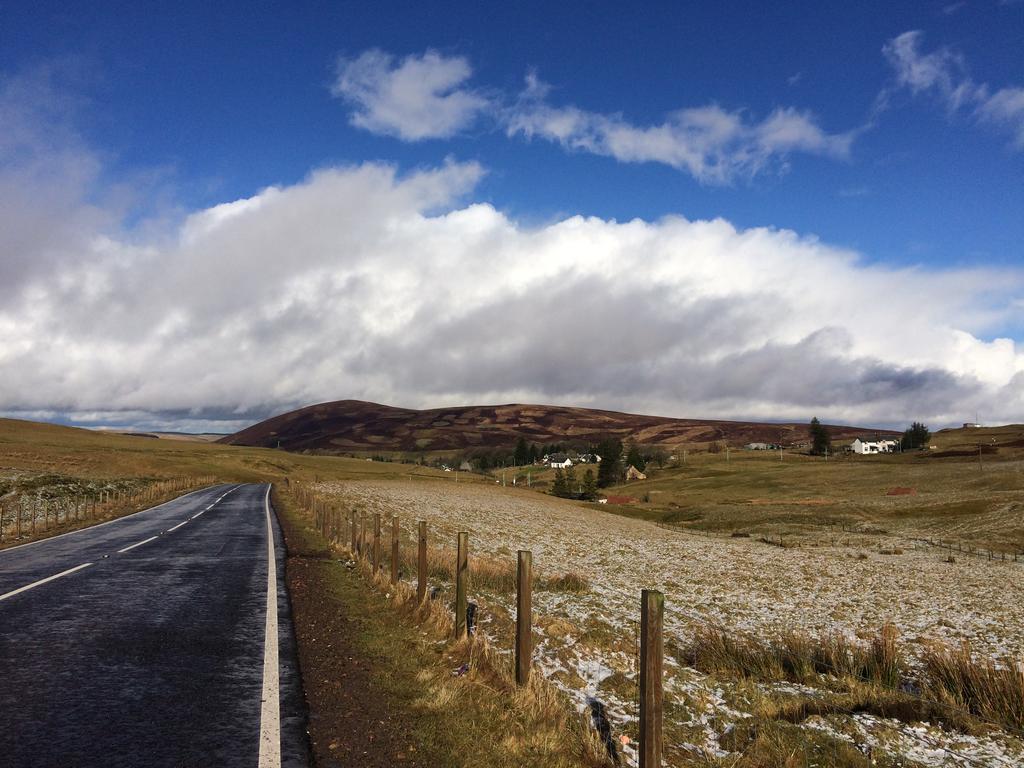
(587, 643)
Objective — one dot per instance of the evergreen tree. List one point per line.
(571, 483)
(918, 436)
(609, 471)
(821, 440)
(589, 485)
(635, 457)
(535, 453)
(522, 454)
(558, 487)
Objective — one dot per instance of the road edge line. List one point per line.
(270, 711)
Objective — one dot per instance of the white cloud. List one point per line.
(944, 73)
(419, 97)
(713, 144)
(359, 282)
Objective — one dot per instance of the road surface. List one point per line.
(153, 640)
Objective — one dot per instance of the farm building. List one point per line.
(866, 447)
(632, 473)
(757, 446)
(559, 461)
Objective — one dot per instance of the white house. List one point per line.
(559, 461)
(864, 447)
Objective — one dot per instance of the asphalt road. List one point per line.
(154, 654)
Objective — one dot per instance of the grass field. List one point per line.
(824, 583)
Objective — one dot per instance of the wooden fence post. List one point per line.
(461, 577)
(421, 571)
(524, 617)
(394, 549)
(355, 532)
(362, 534)
(652, 616)
(376, 542)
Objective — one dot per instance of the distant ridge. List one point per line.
(358, 426)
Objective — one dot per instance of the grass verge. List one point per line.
(386, 686)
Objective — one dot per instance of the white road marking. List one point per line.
(136, 544)
(43, 581)
(178, 525)
(270, 714)
(108, 522)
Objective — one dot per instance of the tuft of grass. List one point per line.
(572, 582)
(797, 657)
(954, 676)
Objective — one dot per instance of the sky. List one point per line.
(212, 213)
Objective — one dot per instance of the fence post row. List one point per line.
(652, 617)
(524, 617)
(461, 577)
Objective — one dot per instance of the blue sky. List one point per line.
(894, 133)
(229, 98)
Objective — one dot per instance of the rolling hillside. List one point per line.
(355, 425)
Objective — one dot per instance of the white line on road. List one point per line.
(178, 525)
(136, 544)
(43, 581)
(270, 714)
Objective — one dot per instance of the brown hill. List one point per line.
(357, 426)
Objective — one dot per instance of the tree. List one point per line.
(571, 483)
(522, 454)
(559, 487)
(635, 457)
(821, 440)
(589, 485)
(918, 436)
(609, 470)
(659, 456)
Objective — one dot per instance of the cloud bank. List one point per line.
(361, 282)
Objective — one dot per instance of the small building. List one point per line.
(465, 467)
(559, 461)
(866, 447)
(590, 458)
(757, 446)
(971, 425)
(632, 473)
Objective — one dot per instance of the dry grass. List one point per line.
(993, 693)
(797, 657)
(489, 573)
(555, 735)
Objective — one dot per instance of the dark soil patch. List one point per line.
(354, 717)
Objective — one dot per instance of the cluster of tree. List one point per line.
(917, 436)
(821, 440)
(567, 485)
